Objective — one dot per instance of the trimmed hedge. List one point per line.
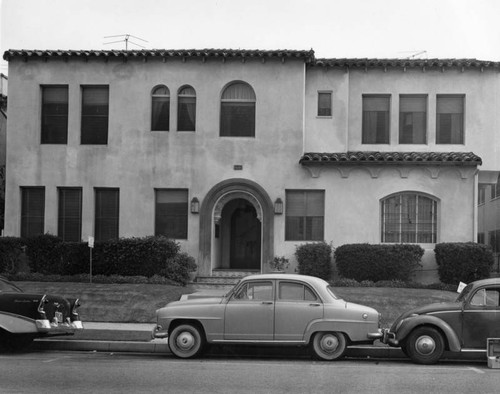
(148, 256)
(463, 261)
(365, 262)
(315, 259)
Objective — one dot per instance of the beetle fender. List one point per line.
(426, 320)
(17, 324)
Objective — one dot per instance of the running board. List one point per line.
(258, 342)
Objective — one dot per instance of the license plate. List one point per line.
(59, 317)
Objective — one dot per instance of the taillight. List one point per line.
(76, 304)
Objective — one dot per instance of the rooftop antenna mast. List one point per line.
(126, 39)
(414, 54)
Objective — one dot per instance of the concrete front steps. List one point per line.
(221, 279)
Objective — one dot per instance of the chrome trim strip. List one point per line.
(254, 341)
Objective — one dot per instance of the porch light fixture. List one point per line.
(278, 206)
(195, 205)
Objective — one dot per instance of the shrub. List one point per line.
(463, 262)
(11, 254)
(378, 262)
(44, 254)
(178, 267)
(315, 259)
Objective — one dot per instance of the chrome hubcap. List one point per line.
(185, 340)
(425, 345)
(329, 343)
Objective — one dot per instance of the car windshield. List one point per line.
(463, 295)
(330, 290)
(7, 287)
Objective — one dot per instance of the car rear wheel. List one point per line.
(186, 341)
(329, 345)
(425, 345)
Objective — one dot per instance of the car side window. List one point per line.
(486, 297)
(258, 291)
(289, 291)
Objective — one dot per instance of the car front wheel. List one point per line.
(186, 341)
(425, 345)
(329, 345)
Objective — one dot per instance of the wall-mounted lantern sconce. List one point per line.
(195, 205)
(278, 206)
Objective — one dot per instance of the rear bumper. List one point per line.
(45, 327)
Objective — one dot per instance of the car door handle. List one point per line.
(267, 302)
(315, 304)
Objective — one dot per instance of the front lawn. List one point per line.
(138, 302)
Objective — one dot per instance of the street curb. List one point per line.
(159, 346)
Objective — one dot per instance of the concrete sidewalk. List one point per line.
(137, 338)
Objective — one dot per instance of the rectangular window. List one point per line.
(376, 110)
(412, 119)
(70, 214)
(237, 119)
(494, 240)
(450, 119)
(481, 193)
(305, 215)
(495, 189)
(107, 211)
(480, 238)
(95, 112)
(32, 211)
(324, 104)
(54, 115)
(171, 213)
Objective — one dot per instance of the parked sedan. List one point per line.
(24, 317)
(270, 309)
(464, 325)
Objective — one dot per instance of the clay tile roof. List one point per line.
(306, 56)
(429, 158)
(406, 63)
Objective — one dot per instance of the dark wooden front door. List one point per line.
(245, 246)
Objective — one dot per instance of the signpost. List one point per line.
(91, 246)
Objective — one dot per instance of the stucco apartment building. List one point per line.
(241, 155)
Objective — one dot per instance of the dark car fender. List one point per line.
(411, 323)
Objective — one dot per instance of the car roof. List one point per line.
(304, 278)
(486, 282)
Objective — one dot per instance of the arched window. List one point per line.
(186, 109)
(409, 217)
(160, 108)
(237, 117)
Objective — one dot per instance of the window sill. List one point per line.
(324, 117)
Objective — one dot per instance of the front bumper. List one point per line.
(55, 328)
(159, 333)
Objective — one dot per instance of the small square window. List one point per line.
(324, 104)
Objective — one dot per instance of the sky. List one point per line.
(332, 28)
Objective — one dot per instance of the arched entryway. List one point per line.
(236, 227)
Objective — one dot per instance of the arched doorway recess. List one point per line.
(241, 211)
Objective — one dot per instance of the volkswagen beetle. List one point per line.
(464, 325)
(269, 309)
(24, 316)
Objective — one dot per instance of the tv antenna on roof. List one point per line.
(414, 54)
(126, 39)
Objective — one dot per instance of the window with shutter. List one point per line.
(95, 111)
(305, 213)
(160, 109)
(171, 213)
(54, 115)
(375, 127)
(32, 211)
(237, 117)
(450, 119)
(107, 211)
(412, 119)
(186, 111)
(70, 214)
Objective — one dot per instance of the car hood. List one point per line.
(196, 301)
